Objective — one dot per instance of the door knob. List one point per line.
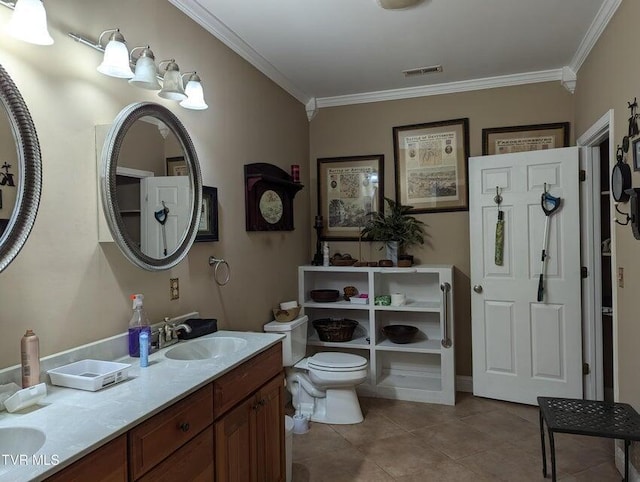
(477, 288)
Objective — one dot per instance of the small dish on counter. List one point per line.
(91, 375)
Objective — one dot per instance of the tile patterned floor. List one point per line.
(476, 440)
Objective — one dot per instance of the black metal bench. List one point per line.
(587, 417)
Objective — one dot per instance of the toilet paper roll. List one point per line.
(287, 305)
(398, 299)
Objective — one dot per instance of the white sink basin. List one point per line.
(19, 441)
(207, 348)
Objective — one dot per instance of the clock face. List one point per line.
(271, 206)
(620, 181)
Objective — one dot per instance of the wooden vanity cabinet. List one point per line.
(249, 429)
(231, 430)
(105, 464)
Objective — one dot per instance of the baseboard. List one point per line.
(464, 383)
(634, 476)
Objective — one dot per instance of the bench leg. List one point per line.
(626, 460)
(544, 452)
(552, 446)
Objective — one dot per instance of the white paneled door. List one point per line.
(172, 192)
(523, 348)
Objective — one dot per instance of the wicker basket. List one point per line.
(335, 329)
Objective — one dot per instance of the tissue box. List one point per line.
(199, 327)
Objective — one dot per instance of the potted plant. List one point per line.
(396, 228)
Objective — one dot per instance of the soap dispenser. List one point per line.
(139, 322)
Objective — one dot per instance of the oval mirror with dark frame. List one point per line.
(151, 186)
(20, 171)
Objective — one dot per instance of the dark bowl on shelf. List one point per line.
(400, 333)
(335, 329)
(324, 296)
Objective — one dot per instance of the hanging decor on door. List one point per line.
(499, 249)
(161, 216)
(550, 204)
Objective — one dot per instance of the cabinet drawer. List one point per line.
(156, 438)
(239, 383)
(193, 462)
(106, 464)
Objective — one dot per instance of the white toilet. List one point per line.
(322, 386)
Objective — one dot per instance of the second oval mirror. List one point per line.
(151, 186)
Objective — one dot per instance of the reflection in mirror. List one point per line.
(20, 171)
(9, 174)
(152, 179)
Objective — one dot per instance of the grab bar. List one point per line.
(446, 288)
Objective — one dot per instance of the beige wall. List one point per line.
(66, 286)
(367, 129)
(609, 79)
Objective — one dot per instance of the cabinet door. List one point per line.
(270, 432)
(193, 462)
(106, 464)
(234, 446)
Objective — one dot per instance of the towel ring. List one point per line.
(213, 261)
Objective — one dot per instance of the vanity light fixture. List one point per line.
(29, 22)
(116, 56)
(195, 94)
(146, 74)
(172, 87)
(166, 78)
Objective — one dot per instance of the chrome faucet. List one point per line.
(166, 333)
(175, 328)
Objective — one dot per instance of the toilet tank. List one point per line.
(294, 346)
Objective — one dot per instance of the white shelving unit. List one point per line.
(421, 371)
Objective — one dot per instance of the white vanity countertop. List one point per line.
(76, 422)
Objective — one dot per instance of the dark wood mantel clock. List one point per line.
(269, 193)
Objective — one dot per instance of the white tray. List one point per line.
(89, 375)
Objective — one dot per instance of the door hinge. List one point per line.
(586, 369)
(582, 175)
(584, 272)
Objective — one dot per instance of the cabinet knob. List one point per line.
(477, 288)
(184, 426)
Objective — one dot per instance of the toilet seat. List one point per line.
(336, 362)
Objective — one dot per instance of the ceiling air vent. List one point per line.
(422, 71)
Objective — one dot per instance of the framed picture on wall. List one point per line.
(349, 188)
(177, 166)
(635, 146)
(431, 165)
(208, 228)
(505, 140)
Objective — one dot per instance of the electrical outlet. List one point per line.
(174, 288)
(620, 277)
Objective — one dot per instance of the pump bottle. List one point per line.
(139, 322)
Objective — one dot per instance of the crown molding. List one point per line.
(439, 89)
(596, 28)
(194, 10)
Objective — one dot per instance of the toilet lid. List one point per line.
(336, 362)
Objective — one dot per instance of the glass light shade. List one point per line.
(29, 23)
(195, 95)
(116, 60)
(172, 88)
(145, 75)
